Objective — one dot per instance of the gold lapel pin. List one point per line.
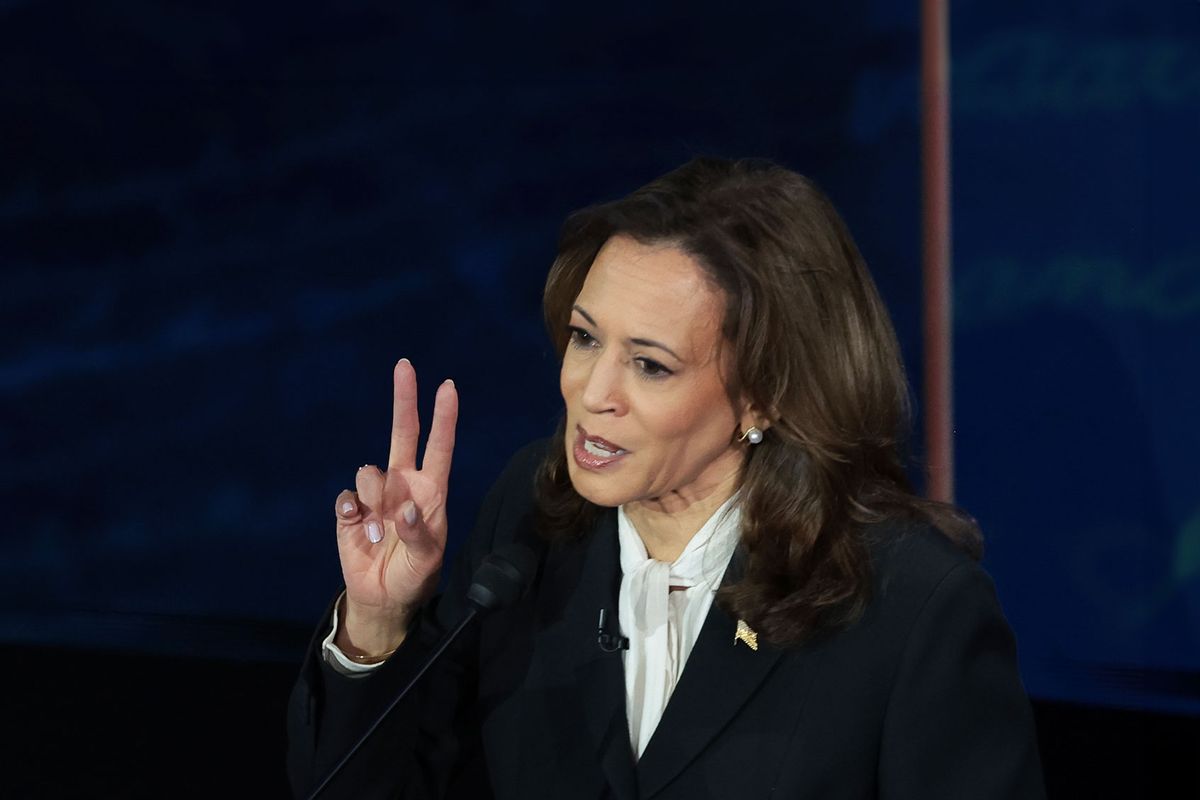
(746, 634)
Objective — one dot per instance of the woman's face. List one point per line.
(643, 377)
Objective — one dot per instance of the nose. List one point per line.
(603, 389)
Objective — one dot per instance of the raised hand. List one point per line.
(391, 533)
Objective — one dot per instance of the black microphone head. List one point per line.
(502, 577)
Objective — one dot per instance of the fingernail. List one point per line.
(347, 508)
(403, 361)
(374, 533)
(410, 513)
(449, 381)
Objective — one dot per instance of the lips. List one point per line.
(595, 452)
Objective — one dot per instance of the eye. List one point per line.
(649, 368)
(581, 339)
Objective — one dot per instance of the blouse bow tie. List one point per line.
(663, 625)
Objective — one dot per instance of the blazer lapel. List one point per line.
(587, 577)
(719, 677)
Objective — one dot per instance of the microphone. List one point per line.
(500, 580)
(609, 642)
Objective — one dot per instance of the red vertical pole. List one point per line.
(935, 239)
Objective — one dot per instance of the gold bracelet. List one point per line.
(339, 610)
(369, 659)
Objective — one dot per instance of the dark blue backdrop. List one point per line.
(219, 228)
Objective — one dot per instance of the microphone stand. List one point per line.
(449, 637)
(500, 580)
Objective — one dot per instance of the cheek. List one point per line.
(568, 380)
(699, 423)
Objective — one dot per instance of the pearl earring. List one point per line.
(753, 435)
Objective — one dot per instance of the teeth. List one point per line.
(597, 450)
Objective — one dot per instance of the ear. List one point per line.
(754, 417)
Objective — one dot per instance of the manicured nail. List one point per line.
(374, 533)
(409, 510)
(347, 508)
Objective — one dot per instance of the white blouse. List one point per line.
(663, 625)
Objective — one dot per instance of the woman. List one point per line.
(784, 617)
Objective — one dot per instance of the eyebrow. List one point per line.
(639, 341)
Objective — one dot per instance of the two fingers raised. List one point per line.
(384, 501)
(406, 426)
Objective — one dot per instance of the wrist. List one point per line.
(368, 636)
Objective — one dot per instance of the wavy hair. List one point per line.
(813, 346)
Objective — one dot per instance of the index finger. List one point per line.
(406, 427)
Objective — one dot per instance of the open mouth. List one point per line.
(602, 450)
(594, 452)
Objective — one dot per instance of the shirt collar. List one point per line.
(706, 555)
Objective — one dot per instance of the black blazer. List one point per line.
(920, 698)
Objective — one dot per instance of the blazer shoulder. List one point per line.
(955, 697)
(912, 559)
(514, 487)
(509, 506)
(524, 464)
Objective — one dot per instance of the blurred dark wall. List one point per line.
(223, 228)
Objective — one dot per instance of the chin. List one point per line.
(596, 489)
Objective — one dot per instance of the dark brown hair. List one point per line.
(813, 348)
